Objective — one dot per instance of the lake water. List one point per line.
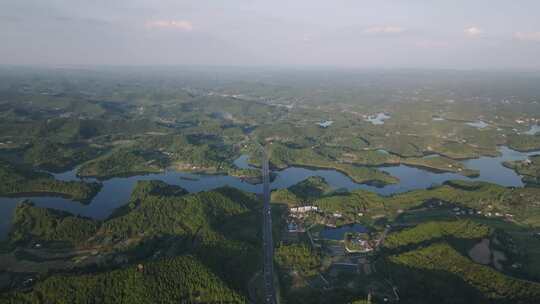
(325, 124)
(378, 119)
(477, 124)
(535, 129)
(338, 233)
(116, 191)
(383, 152)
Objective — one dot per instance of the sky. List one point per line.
(457, 34)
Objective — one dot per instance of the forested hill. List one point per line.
(209, 238)
(169, 280)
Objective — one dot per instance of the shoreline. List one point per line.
(31, 194)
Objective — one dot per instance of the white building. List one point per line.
(304, 209)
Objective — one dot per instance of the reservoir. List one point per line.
(477, 124)
(378, 119)
(535, 129)
(338, 233)
(116, 191)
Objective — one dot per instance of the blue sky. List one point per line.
(458, 34)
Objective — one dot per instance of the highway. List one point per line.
(268, 243)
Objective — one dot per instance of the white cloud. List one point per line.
(473, 31)
(431, 44)
(307, 38)
(387, 30)
(182, 25)
(528, 36)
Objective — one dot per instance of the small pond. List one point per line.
(338, 233)
(477, 124)
(378, 119)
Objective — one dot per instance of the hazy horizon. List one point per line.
(416, 34)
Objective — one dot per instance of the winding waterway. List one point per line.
(116, 191)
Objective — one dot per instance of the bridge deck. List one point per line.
(268, 243)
